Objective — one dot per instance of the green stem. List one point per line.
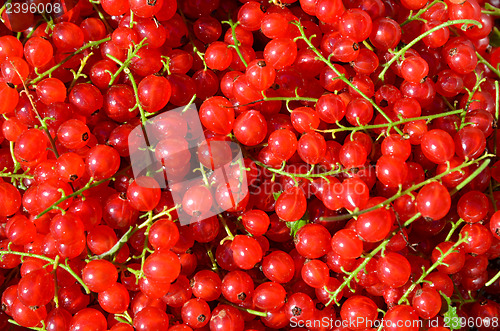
(296, 98)
(17, 165)
(215, 267)
(352, 274)
(493, 280)
(342, 77)
(89, 185)
(2, 9)
(144, 250)
(124, 65)
(237, 44)
(16, 176)
(230, 235)
(103, 19)
(116, 247)
(417, 186)
(42, 120)
(420, 12)
(406, 120)
(48, 259)
(483, 60)
(497, 101)
(30, 328)
(66, 59)
(497, 105)
(426, 272)
(308, 176)
(136, 94)
(56, 288)
(491, 10)
(471, 176)
(79, 74)
(166, 212)
(403, 50)
(250, 311)
(191, 41)
(454, 226)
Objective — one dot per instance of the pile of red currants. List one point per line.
(340, 171)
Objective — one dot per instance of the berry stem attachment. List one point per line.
(309, 176)
(56, 288)
(215, 267)
(491, 10)
(454, 226)
(419, 185)
(31, 328)
(426, 272)
(89, 185)
(237, 44)
(66, 59)
(486, 63)
(389, 125)
(420, 12)
(342, 77)
(250, 311)
(191, 41)
(102, 17)
(403, 50)
(132, 52)
(493, 280)
(116, 247)
(15, 176)
(287, 99)
(230, 235)
(352, 275)
(64, 266)
(78, 73)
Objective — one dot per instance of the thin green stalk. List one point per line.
(403, 50)
(116, 247)
(417, 186)
(383, 125)
(66, 59)
(493, 280)
(78, 74)
(471, 177)
(481, 59)
(308, 175)
(48, 259)
(426, 272)
(124, 65)
(103, 19)
(352, 274)
(215, 267)
(16, 176)
(191, 41)
(296, 98)
(497, 105)
(454, 226)
(43, 121)
(491, 10)
(420, 12)
(237, 44)
(250, 311)
(342, 77)
(89, 185)
(230, 235)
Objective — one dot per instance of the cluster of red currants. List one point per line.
(357, 139)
